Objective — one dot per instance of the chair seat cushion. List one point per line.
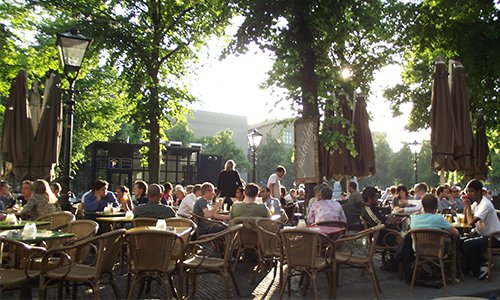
(207, 263)
(77, 273)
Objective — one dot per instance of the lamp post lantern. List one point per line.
(72, 47)
(415, 147)
(254, 139)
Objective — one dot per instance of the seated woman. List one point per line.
(326, 209)
(401, 200)
(41, 203)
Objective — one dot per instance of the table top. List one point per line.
(106, 214)
(114, 219)
(41, 235)
(179, 230)
(20, 224)
(326, 230)
(461, 225)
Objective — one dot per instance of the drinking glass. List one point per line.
(161, 224)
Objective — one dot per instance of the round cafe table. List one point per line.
(40, 236)
(20, 224)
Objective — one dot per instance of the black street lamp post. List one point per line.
(254, 139)
(415, 147)
(72, 47)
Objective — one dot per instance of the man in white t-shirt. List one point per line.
(274, 182)
(482, 214)
(186, 206)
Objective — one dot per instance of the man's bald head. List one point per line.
(154, 192)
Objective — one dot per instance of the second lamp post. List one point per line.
(254, 139)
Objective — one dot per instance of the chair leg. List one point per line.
(172, 287)
(193, 279)
(490, 265)
(313, 278)
(414, 274)
(333, 283)
(226, 285)
(116, 291)
(443, 277)
(95, 290)
(374, 278)
(132, 286)
(74, 291)
(235, 283)
(287, 272)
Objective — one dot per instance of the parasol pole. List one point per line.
(441, 177)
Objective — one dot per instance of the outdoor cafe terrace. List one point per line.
(352, 283)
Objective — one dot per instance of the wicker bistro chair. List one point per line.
(200, 256)
(107, 248)
(357, 251)
(387, 243)
(197, 219)
(16, 269)
(492, 252)
(154, 254)
(57, 219)
(430, 246)
(182, 222)
(310, 252)
(144, 221)
(83, 230)
(248, 234)
(270, 246)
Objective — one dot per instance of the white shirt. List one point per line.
(186, 206)
(277, 185)
(488, 222)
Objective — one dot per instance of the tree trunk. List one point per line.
(308, 78)
(154, 135)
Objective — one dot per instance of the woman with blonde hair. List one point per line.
(42, 202)
(229, 181)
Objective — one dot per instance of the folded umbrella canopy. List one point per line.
(48, 137)
(480, 153)
(17, 133)
(462, 152)
(337, 162)
(443, 131)
(365, 160)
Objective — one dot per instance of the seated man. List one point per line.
(354, 206)
(187, 204)
(373, 217)
(326, 209)
(482, 214)
(429, 219)
(98, 198)
(272, 204)
(153, 208)
(200, 208)
(248, 208)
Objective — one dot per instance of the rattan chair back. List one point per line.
(57, 219)
(144, 221)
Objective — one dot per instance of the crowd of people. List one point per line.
(232, 198)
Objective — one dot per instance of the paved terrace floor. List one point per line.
(353, 284)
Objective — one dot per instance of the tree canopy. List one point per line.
(467, 31)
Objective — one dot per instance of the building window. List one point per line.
(287, 138)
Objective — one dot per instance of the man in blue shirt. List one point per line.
(98, 198)
(429, 219)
